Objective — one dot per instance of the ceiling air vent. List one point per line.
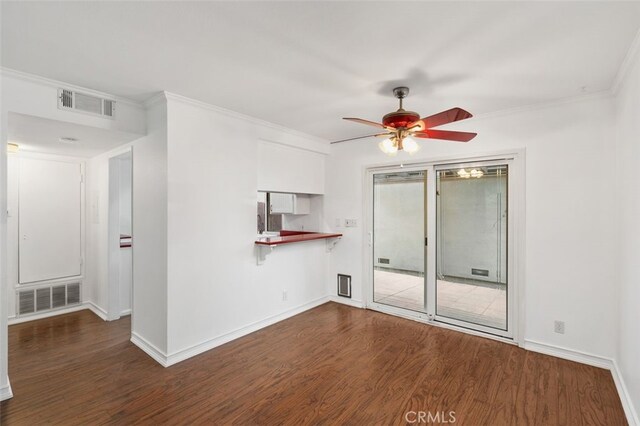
(81, 102)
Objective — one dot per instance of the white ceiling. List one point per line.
(305, 65)
(43, 135)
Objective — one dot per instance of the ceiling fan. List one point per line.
(400, 127)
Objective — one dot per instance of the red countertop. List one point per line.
(287, 237)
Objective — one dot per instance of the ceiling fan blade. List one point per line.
(446, 135)
(367, 122)
(363, 137)
(444, 117)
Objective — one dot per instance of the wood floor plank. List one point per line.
(331, 365)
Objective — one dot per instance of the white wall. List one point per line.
(215, 285)
(149, 311)
(569, 243)
(627, 213)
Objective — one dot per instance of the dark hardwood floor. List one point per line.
(330, 365)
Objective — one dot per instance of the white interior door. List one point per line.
(49, 220)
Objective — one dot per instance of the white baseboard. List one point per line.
(97, 310)
(347, 301)
(85, 305)
(149, 349)
(17, 320)
(625, 398)
(570, 354)
(596, 361)
(227, 337)
(125, 312)
(5, 391)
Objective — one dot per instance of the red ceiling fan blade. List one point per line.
(446, 135)
(367, 122)
(444, 117)
(363, 137)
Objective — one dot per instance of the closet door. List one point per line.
(49, 220)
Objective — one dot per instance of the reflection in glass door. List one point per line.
(399, 239)
(471, 252)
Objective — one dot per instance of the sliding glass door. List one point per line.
(441, 243)
(399, 235)
(471, 245)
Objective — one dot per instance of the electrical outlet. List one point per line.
(351, 223)
(284, 295)
(558, 327)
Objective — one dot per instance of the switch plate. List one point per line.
(351, 223)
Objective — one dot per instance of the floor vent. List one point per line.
(44, 299)
(344, 285)
(81, 102)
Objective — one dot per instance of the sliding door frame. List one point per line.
(516, 240)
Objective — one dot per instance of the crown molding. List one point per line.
(32, 78)
(156, 99)
(627, 64)
(179, 98)
(602, 94)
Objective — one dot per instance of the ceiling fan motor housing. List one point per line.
(400, 118)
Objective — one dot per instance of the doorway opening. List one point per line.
(120, 236)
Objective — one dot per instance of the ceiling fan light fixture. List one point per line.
(410, 145)
(389, 146)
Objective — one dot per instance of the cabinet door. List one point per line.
(281, 203)
(49, 220)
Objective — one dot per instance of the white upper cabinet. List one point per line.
(292, 170)
(289, 203)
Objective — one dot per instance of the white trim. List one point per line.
(625, 398)
(322, 145)
(346, 301)
(209, 344)
(125, 312)
(52, 313)
(570, 354)
(595, 361)
(20, 319)
(32, 78)
(627, 64)
(149, 349)
(5, 391)
(97, 310)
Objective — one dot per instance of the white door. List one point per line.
(49, 220)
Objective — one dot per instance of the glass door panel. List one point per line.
(399, 253)
(471, 245)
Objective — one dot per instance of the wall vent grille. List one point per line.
(48, 298)
(81, 102)
(26, 302)
(344, 285)
(43, 299)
